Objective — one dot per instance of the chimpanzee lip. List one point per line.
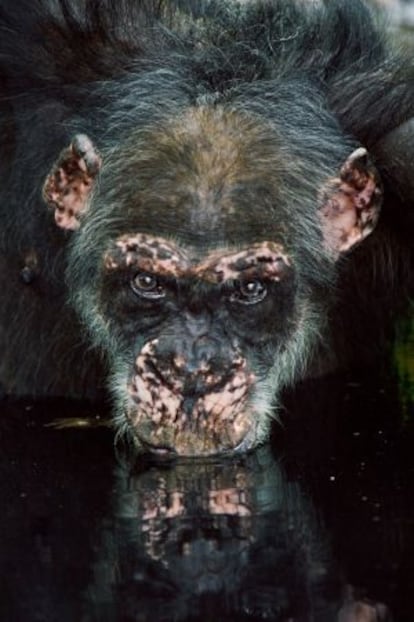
(164, 453)
(161, 452)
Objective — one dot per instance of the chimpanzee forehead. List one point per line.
(157, 255)
(210, 174)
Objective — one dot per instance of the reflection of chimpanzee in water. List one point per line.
(207, 165)
(216, 541)
(230, 539)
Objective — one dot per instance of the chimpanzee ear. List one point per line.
(68, 186)
(351, 203)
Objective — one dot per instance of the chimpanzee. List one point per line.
(192, 181)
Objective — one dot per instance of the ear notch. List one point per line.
(69, 184)
(351, 203)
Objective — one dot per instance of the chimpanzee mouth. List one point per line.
(158, 452)
(167, 423)
(198, 432)
(170, 454)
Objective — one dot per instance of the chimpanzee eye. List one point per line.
(249, 292)
(147, 285)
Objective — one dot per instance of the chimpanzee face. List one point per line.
(201, 330)
(200, 272)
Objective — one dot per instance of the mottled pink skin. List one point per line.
(70, 182)
(351, 203)
(219, 419)
(161, 257)
(147, 254)
(265, 258)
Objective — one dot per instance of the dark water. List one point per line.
(286, 534)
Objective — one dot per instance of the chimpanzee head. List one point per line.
(204, 249)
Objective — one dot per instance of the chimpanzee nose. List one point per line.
(196, 365)
(201, 357)
(205, 353)
(196, 357)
